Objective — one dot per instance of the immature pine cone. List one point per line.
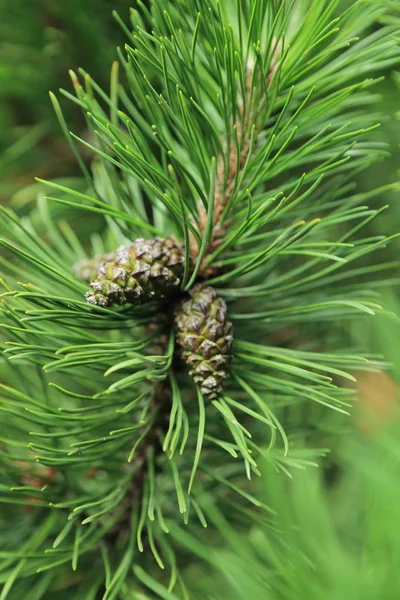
(146, 270)
(87, 269)
(205, 338)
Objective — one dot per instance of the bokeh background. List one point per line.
(346, 514)
(40, 41)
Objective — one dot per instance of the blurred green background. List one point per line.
(337, 534)
(40, 40)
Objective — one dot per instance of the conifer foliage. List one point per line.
(224, 163)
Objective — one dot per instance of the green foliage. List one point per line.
(240, 132)
(334, 533)
(338, 543)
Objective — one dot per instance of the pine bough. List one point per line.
(233, 253)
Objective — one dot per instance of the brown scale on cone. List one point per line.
(147, 270)
(87, 269)
(205, 338)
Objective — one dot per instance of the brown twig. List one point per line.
(225, 182)
(160, 406)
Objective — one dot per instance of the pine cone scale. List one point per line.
(204, 336)
(146, 270)
(87, 269)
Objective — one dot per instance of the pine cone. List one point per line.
(87, 269)
(146, 270)
(205, 338)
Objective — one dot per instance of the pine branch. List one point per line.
(236, 153)
(237, 135)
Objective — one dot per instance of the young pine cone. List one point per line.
(205, 338)
(146, 270)
(87, 269)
